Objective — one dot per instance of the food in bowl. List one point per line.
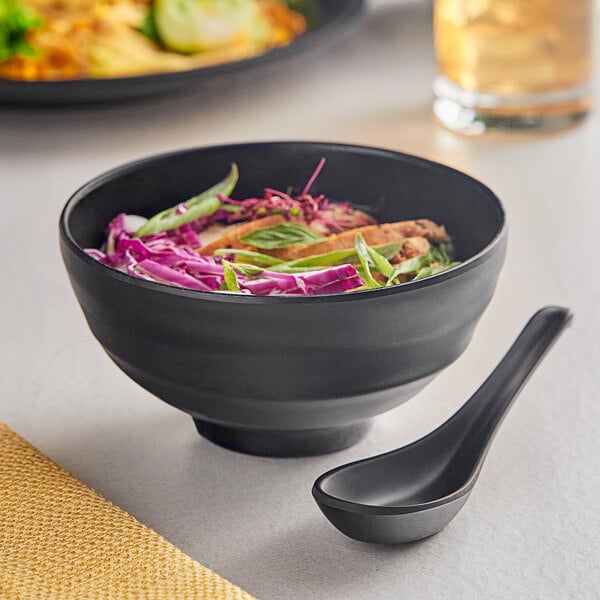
(287, 375)
(72, 39)
(280, 243)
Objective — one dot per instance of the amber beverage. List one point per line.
(512, 64)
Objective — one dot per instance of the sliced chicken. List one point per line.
(413, 246)
(216, 231)
(374, 235)
(232, 234)
(417, 233)
(227, 236)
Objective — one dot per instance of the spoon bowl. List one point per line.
(415, 491)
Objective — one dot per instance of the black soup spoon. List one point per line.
(415, 491)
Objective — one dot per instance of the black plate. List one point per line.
(327, 20)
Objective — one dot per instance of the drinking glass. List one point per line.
(512, 65)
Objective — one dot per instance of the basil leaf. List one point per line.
(202, 205)
(281, 236)
(255, 258)
(363, 254)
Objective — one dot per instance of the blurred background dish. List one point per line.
(125, 63)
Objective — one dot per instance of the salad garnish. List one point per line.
(281, 236)
(281, 243)
(202, 205)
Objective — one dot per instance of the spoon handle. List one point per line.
(481, 416)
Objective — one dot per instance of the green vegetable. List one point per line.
(16, 20)
(443, 253)
(190, 26)
(230, 278)
(148, 28)
(409, 266)
(380, 261)
(363, 254)
(339, 257)
(255, 258)
(428, 271)
(369, 259)
(245, 269)
(202, 205)
(286, 269)
(281, 236)
(438, 256)
(231, 208)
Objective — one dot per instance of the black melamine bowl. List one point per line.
(285, 376)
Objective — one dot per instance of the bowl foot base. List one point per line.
(279, 443)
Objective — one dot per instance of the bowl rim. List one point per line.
(220, 296)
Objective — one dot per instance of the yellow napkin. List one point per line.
(60, 540)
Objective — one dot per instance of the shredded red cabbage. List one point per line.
(166, 257)
(170, 256)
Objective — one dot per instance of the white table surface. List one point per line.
(530, 529)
